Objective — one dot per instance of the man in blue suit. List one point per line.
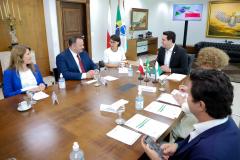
(216, 136)
(74, 63)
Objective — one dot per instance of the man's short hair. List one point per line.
(73, 39)
(170, 35)
(214, 88)
(116, 38)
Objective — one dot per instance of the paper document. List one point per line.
(113, 107)
(124, 135)
(110, 78)
(175, 91)
(163, 109)
(28, 88)
(40, 95)
(147, 125)
(91, 81)
(176, 77)
(163, 76)
(168, 98)
(147, 88)
(123, 70)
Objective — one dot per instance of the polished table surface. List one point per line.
(48, 131)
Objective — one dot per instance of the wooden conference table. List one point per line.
(48, 131)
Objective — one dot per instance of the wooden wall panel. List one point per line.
(30, 32)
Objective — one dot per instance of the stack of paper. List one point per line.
(123, 70)
(147, 88)
(40, 95)
(176, 77)
(147, 125)
(91, 81)
(163, 109)
(168, 98)
(124, 135)
(113, 107)
(110, 78)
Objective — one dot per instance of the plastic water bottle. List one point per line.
(77, 153)
(61, 82)
(139, 101)
(130, 71)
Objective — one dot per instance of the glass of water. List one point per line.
(97, 77)
(120, 120)
(162, 83)
(30, 97)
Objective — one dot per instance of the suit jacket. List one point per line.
(12, 83)
(218, 143)
(68, 66)
(178, 61)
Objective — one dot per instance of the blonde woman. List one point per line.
(22, 74)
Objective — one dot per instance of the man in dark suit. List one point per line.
(172, 58)
(216, 136)
(74, 63)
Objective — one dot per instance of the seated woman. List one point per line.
(208, 58)
(114, 55)
(22, 74)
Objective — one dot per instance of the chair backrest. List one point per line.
(190, 61)
(56, 74)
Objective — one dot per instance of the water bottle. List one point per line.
(77, 153)
(139, 101)
(130, 71)
(61, 82)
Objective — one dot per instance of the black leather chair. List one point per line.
(233, 50)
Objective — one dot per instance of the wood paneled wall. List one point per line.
(31, 31)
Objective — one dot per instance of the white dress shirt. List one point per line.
(203, 126)
(168, 55)
(84, 75)
(111, 57)
(27, 79)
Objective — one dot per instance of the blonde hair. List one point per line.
(213, 58)
(16, 60)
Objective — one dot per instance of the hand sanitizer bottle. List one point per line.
(130, 71)
(61, 82)
(77, 153)
(139, 101)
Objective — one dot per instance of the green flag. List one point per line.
(148, 70)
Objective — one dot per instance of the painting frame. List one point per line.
(139, 19)
(223, 22)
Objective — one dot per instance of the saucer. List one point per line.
(24, 108)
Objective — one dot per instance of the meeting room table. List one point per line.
(47, 131)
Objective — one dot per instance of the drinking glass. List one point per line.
(120, 120)
(30, 97)
(162, 83)
(97, 77)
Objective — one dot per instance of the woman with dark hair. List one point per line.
(22, 74)
(114, 55)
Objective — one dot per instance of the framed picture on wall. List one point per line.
(223, 19)
(139, 19)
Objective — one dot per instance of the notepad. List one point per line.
(124, 135)
(163, 109)
(40, 95)
(168, 98)
(91, 81)
(113, 107)
(110, 78)
(176, 77)
(147, 125)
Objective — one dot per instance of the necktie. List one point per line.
(81, 64)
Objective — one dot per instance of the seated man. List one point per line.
(216, 136)
(172, 58)
(74, 63)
